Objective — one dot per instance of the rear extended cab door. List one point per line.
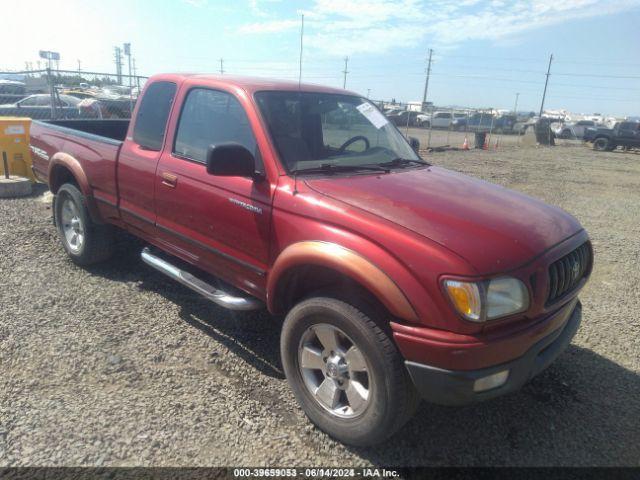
(221, 224)
(140, 154)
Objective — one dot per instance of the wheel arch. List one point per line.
(307, 266)
(63, 168)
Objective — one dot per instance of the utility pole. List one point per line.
(515, 105)
(79, 68)
(301, 38)
(546, 82)
(221, 66)
(118, 58)
(135, 74)
(345, 71)
(127, 52)
(426, 82)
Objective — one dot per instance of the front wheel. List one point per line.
(345, 371)
(85, 241)
(601, 144)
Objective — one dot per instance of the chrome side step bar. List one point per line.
(208, 291)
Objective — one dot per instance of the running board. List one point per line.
(208, 291)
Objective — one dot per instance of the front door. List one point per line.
(219, 223)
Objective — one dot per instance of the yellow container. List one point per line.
(14, 139)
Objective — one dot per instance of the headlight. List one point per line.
(482, 301)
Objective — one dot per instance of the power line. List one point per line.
(596, 75)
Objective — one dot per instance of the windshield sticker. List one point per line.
(373, 115)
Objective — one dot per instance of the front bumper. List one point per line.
(456, 387)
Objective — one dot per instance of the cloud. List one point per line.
(269, 26)
(340, 27)
(196, 3)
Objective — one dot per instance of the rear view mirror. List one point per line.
(415, 144)
(230, 160)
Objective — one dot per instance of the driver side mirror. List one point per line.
(415, 144)
(230, 160)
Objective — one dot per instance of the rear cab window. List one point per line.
(151, 120)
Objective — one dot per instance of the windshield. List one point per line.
(312, 130)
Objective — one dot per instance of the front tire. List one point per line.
(345, 371)
(85, 241)
(601, 144)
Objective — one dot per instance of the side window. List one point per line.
(210, 117)
(151, 120)
(29, 102)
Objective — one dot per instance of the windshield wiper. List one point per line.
(333, 168)
(403, 162)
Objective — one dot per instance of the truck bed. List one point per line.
(108, 129)
(94, 144)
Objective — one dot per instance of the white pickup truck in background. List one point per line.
(439, 119)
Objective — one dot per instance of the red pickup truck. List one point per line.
(397, 279)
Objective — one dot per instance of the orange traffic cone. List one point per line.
(465, 144)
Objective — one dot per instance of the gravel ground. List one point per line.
(116, 365)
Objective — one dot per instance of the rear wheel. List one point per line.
(601, 144)
(345, 371)
(85, 241)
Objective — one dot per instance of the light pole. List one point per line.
(515, 105)
(127, 52)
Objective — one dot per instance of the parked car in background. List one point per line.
(405, 117)
(393, 110)
(11, 91)
(473, 123)
(623, 134)
(39, 106)
(505, 123)
(574, 129)
(439, 119)
(524, 124)
(99, 104)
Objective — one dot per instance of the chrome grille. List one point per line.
(565, 274)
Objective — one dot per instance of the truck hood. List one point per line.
(493, 228)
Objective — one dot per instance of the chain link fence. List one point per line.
(65, 94)
(465, 127)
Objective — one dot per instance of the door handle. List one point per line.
(169, 179)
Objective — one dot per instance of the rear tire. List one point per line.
(601, 144)
(372, 395)
(85, 241)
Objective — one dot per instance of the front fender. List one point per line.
(348, 263)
